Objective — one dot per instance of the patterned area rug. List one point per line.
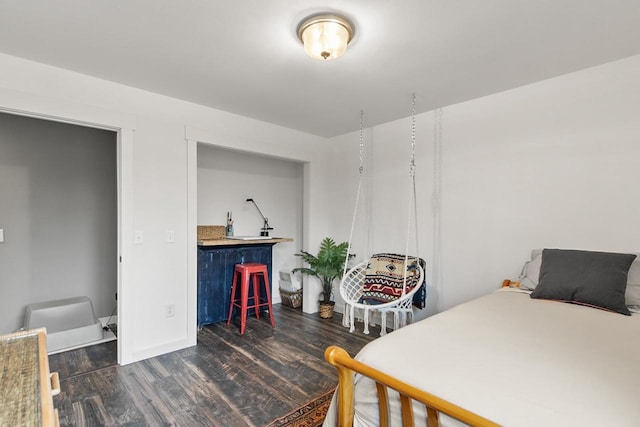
(310, 414)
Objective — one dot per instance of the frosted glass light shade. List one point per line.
(325, 37)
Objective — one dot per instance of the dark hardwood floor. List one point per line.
(226, 380)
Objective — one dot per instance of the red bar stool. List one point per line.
(248, 271)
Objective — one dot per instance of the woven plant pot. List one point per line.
(326, 309)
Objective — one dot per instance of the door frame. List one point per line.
(124, 125)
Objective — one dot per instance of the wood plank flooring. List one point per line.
(226, 380)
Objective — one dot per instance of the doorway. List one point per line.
(59, 187)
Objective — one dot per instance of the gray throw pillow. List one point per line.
(596, 279)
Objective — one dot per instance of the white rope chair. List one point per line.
(362, 288)
(354, 290)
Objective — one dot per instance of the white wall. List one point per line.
(158, 271)
(227, 178)
(58, 211)
(551, 164)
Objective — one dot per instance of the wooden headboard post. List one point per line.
(346, 367)
(345, 385)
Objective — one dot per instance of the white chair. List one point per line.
(385, 283)
(367, 286)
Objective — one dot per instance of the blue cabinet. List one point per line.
(215, 273)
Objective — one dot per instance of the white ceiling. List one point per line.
(243, 56)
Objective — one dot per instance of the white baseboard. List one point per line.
(161, 349)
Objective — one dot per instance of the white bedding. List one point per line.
(515, 361)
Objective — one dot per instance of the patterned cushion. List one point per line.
(384, 278)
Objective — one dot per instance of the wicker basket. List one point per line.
(291, 298)
(326, 309)
(211, 232)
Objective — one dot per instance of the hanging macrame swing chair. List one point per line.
(385, 283)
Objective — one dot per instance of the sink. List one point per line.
(250, 237)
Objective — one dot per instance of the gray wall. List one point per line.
(58, 208)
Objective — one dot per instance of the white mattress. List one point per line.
(515, 361)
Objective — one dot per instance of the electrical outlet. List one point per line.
(170, 310)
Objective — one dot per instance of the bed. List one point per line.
(517, 360)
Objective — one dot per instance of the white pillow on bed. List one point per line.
(531, 271)
(632, 295)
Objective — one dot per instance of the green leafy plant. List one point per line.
(327, 265)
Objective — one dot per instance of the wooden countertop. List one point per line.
(25, 383)
(237, 242)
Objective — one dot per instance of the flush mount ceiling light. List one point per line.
(325, 36)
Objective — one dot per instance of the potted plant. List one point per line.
(327, 266)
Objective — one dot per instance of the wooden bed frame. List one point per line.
(347, 366)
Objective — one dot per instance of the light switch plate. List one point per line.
(138, 237)
(1, 235)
